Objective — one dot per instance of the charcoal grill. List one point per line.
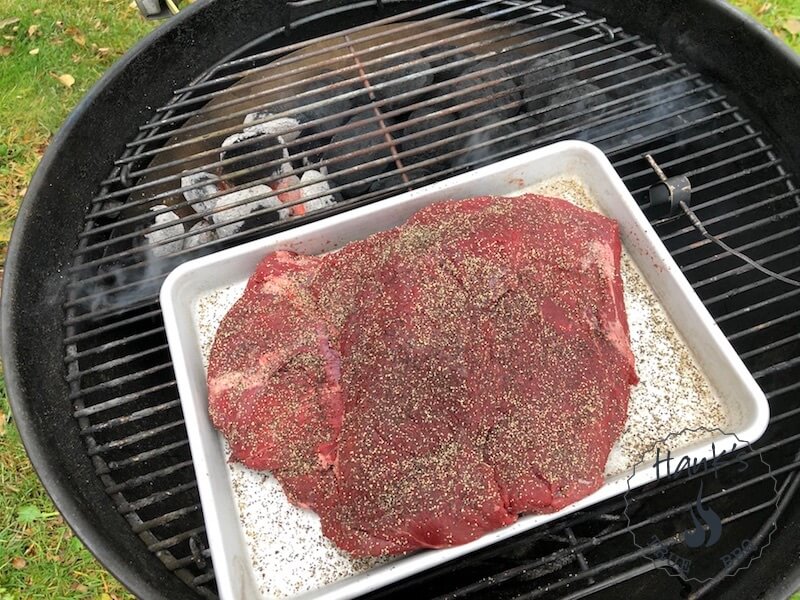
(703, 90)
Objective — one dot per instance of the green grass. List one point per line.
(53, 38)
(781, 17)
(39, 556)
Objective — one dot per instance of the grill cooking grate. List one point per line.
(520, 75)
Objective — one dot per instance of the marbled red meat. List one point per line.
(430, 383)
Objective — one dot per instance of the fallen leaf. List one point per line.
(133, 5)
(5, 50)
(9, 37)
(103, 51)
(105, 596)
(34, 51)
(76, 58)
(18, 562)
(792, 26)
(10, 21)
(59, 24)
(66, 79)
(76, 35)
(79, 587)
(37, 12)
(2, 423)
(32, 30)
(763, 8)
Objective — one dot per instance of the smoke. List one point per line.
(124, 284)
(490, 144)
(609, 119)
(644, 119)
(134, 276)
(478, 150)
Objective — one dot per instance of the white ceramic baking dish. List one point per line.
(735, 390)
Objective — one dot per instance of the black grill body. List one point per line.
(122, 473)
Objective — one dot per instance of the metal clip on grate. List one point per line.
(674, 193)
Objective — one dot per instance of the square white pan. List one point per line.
(714, 355)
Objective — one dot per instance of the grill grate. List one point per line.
(530, 65)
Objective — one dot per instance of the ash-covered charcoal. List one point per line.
(253, 150)
(420, 145)
(499, 81)
(197, 197)
(316, 184)
(436, 61)
(408, 78)
(370, 135)
(573, 101)
(393, 179)
(285, 127)
(233, 216)
(200, 238)
(167, 233)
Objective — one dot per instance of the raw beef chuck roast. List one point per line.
(426, 385)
